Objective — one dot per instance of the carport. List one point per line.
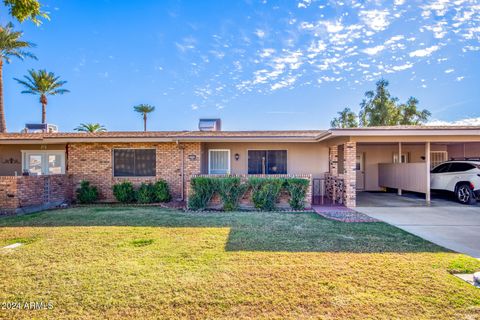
(399, 158)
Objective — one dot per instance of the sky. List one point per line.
(256, 64)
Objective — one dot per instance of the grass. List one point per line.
(157, 263)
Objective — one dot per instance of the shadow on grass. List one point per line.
(249, 231)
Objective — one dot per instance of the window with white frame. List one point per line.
(43, 162)
(218, 161)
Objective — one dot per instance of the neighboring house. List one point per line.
(341, 162)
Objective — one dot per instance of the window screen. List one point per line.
(267, 161)
(219, 162)
(134, 162)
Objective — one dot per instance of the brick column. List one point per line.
(350, 175)
(333, 161)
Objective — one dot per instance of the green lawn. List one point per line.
(122, 262)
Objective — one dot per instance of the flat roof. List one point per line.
(236, 136)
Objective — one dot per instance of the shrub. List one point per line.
(265, 192)
(255, 184)
(297, 188)
(203, 189)
(231, 190)
(124, 192)
(269, 193)
(146, 193)
(87, 193)
(161, 191)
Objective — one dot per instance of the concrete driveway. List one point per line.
(453, 226)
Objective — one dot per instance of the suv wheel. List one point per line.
(464, 194)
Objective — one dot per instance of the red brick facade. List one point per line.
(21, 193)
(93, 162)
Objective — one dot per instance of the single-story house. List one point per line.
(339, 162)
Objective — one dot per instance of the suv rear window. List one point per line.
(460, 167)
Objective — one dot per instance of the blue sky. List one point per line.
(257, 64)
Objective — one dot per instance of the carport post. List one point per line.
(399, 191)
(427, 168)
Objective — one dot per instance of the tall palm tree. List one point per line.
(44, 84)
(10, 46)
(144, 109)
(90, 127)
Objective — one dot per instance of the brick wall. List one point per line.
(342, 166)
(33, 193)
(246, 201)
(93, 162)
(350, 173)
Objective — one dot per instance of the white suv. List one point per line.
(459, 177)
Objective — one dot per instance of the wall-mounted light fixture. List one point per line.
(237, 156)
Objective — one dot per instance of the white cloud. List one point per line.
(394, 39)
(449, 70)
(461, 122)
(333, 27)
(459, 78)
(304, 3)
(374, 50)
(424, 52)
(260, 33)
(402, 67)
(267, 53)
(375, 19)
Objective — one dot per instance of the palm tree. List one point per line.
(90, 127)
(144, 109)
(10, 46)
(44, 84)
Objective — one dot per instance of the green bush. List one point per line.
(265, 192)
(269, 193)
(124, 192)
(230, 190)
(255, 184)
(87, 193)
(161, 191)
(297, 189)
(146, 193)
(203, 189)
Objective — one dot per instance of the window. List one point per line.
(134, 162)
(441, 168)
(405, 158)
(460, 167)
(438, 157)
(218, 161)
(267, 162)
(42, 162)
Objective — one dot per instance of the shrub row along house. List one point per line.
(38, 170)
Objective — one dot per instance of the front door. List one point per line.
(360, 169)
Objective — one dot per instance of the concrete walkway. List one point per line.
(453, 226)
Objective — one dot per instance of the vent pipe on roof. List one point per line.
(210, 125)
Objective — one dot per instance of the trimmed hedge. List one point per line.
(147, 192)
(265, 192)
(297, 188)
(231, 190)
